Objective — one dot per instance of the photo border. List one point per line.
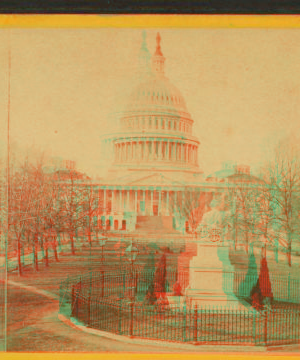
(146, 21)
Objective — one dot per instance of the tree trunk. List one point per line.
(59, 243)
(247, 242)
(33, 253)
(90, 240)
(19, 257)
(289, 249)
(235, 238)
(36, 260)
(72, 244)
(289, 255)
(55, 253)
(42, 248)
(46, 257)
(23, 255)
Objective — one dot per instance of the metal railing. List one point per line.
(115, 302)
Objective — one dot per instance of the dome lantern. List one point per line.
(158, 60)
(144, 56)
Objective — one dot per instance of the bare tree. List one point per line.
(89, 209)
(282, 175)
(31, 198)
(189, 207)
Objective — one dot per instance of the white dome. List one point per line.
(157, 93)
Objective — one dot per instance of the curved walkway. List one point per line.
(49, 331)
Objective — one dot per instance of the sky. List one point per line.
(241, 87)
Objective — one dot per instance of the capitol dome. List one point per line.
(157, 93)
(155, 128)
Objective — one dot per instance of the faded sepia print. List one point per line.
(150, 190)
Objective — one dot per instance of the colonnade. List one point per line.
(157, 123)
(155, 149)
(140, 201)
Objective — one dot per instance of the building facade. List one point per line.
(154, 156)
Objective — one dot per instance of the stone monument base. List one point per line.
(211, 279)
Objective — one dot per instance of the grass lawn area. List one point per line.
(49, 278)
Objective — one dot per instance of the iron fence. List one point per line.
(199, 326)
(114, 302)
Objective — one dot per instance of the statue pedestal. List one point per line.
(209, 283)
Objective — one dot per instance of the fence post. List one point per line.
(136, 283)
(196, 324)
(124, 283)
(289, 285)
(60, 297)
(89, 310)
(131, 318)
(76, 302)
(266, 326)
(184, 322)
(102, 285)
(73, 301)
(120, 316)
(254, 327)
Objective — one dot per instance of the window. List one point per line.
(123, 224)
(116, 225)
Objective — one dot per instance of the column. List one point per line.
(104, 200)
(121, 200)
(151, 204)
(159, 202)
(167, 210)
(118, 152)
(130, 151)
(182, 152)
(173, 150)
(146, 150)
(113, 200)
(160, 149)
(136, 150)
(126, 151)
(140, 150)
(175, 198)
(186, 153)
(127, 207)
(144, 201)
(196, 155)
(150, 149)
(135, 201)
(167, 150)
